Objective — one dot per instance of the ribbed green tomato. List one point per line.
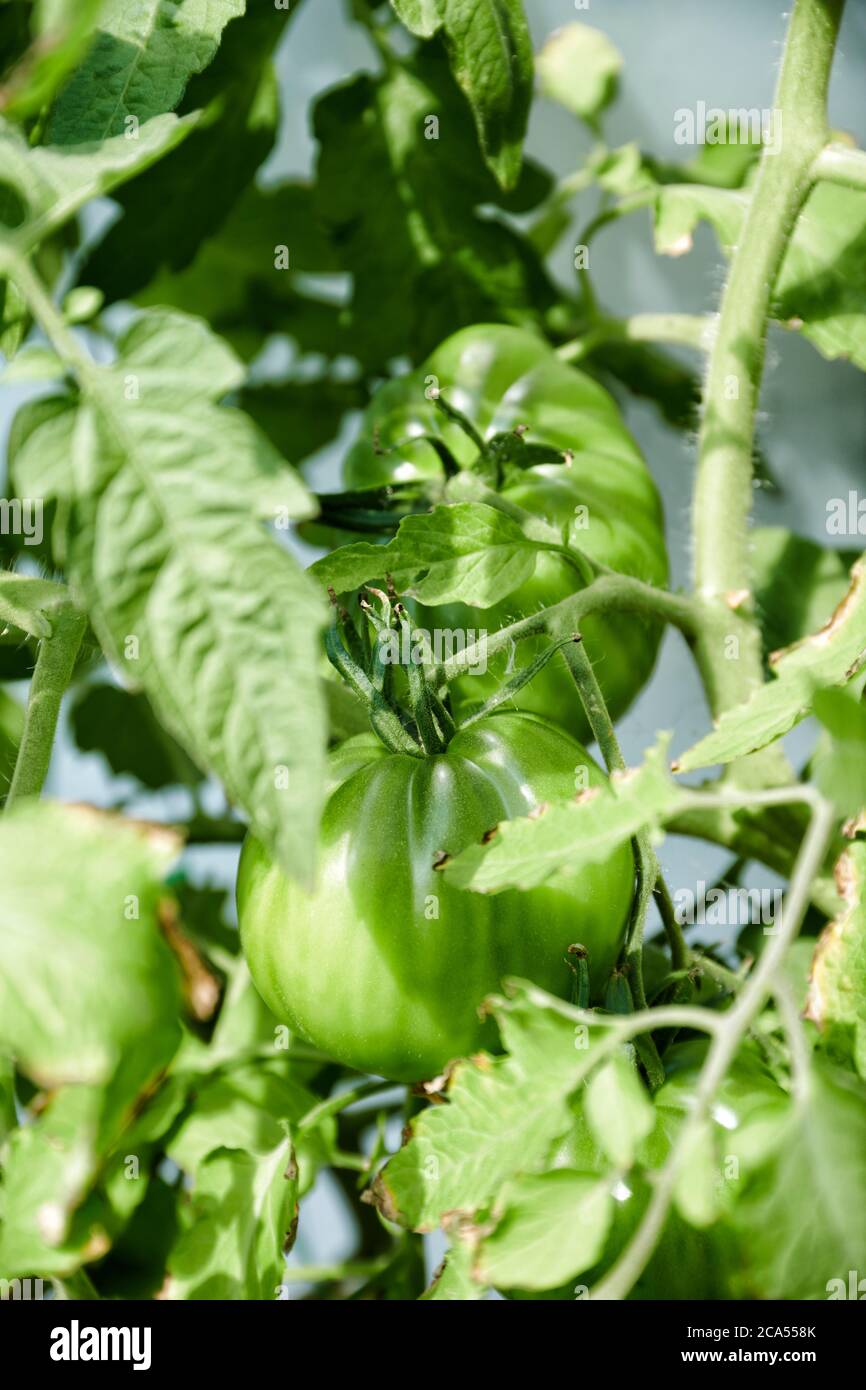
(384, 964)
(501, 378)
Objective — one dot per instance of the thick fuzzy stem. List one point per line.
(728, 649)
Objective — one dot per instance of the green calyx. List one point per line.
(411, 713)
(379, 510)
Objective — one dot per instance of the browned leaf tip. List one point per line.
(201, 989)
(837, 618)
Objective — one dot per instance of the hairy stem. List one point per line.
(609, 592)
(688, 330)
(729, 648)
(843, 164)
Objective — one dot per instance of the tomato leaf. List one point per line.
(803, 1214)
(618, 1110)
(11, 729)
(796, 584)
(828, 657)
(122, 726)
(696, 1192)
(54, 182)
(491, 57)
(490, 51)
(244, 1210)
(139, 65)
(821, 284)
(527, 851)
(237, 280)
(191, 600)
(88, 916)
(50, 1224)
(837, 1001)
(247, 1108)
(172, 209)
(61, 33)
(502, 1116)
(27, 602)
(579, 68)
(553, 1227)
(839, 760)
(421, 17)
(465, 552)
(399, 199)
(453, 1282)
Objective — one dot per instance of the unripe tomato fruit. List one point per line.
(384, 964)
(604, 499)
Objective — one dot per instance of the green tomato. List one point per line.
(603, 499)
(383, 966)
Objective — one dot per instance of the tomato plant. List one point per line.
(360, 891)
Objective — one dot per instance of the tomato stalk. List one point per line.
(723, 488)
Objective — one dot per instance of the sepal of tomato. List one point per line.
(603, 499)
(383, 966)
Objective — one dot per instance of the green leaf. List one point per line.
(490, 51)
(35, 363)
(453, 1282)
(466, 552)
(11, 729)
(502, 1116)
(238, 279)
(62, 30)
(803, 1215)
(123, 727)
(525, 852)
(190, 599)
(839, 762)
(822, 282)
(796, 584)
(402, 211)
(159, 342)
(491, 57)
(553, 1227)
(49, 1227)
(696, 1193)
(421, 17)
(244, 1210)
(247, 1108)
(748, 1113)
(619, 1112)
(837, 986)
(14, 319)
(680, 207)
(139, 65)
(174, 208)
(135, 1266)
(89, 916)
(55, 182)
(579, 68)
(828, 657)
(27, 602)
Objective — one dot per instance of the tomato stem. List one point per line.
(518, 681)
(722, 500)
